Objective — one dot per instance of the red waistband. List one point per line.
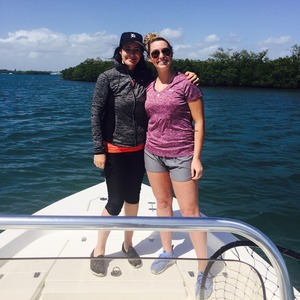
(111, 148)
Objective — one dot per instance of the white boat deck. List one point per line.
(59, 264)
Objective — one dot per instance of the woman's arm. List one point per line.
(197, 111)
(100, 97)
(97, 111)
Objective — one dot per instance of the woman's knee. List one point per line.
(164, 202)
(114, 209)
(190, 212)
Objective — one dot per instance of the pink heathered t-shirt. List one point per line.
(170, 129)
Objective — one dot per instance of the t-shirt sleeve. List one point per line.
(192, 91)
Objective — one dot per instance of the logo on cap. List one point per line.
(133, 36)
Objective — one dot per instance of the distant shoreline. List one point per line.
(32, 72)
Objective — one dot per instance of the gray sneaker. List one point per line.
(97, 265)
(133, 257)
(163, 262)
(208, 286)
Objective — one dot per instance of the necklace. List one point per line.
(159, 85)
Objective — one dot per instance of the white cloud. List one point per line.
(277, 46)
(233, 38)
(277, 41)
(201, 50)
(179, 47)
(171, 34)
(43, 49)
(213, 38)
(34, 55)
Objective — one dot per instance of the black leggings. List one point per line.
(124, 174)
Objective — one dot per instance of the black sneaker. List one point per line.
(97, 265)
(133, 257)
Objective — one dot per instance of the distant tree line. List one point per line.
(5, 71)
(224, 68)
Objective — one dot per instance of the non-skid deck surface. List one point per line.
(69, 276)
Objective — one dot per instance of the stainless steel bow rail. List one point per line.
(159, 224)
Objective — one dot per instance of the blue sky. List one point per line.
(56, 34)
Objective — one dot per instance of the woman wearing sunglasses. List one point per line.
(173, 150)
(119, 124)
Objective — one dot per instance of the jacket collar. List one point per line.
(121, 68)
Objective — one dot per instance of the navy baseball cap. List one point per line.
(128, 37)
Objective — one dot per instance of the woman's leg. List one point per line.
(187, 197)
(115, 202)
(133, 161)
(97, 263)
(130, 210)
(102, 238)
(162, 190)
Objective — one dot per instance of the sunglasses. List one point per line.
(164, 51)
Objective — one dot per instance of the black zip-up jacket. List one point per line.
(118, 109)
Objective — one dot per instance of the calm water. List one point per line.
(251, 154)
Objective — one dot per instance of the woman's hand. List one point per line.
(196, 169)
(99, 160)
(192, 77)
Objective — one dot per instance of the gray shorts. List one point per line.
(178, 167)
